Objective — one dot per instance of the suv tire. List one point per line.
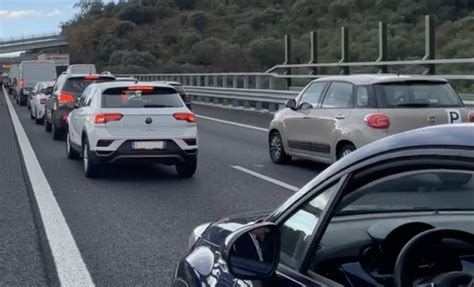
(70, 152)
(91, 169)
(47, 125)
(187, 169)
(57, 133)
(276, 149)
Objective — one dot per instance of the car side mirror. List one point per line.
(253, 252)
(291, 104)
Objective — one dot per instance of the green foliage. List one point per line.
(247, 35)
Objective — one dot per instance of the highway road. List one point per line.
(131, 226)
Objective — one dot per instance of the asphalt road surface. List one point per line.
(132, 225)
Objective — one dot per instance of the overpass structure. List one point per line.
(32, 43)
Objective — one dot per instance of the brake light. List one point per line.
(42, 101)
(65, 117)
(91, 77)
(105, 118)
(22, 84)
(140, 88)
(189, 117)
(377, 121)
(65, 98)
(470, 117)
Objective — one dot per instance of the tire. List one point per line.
(70, 152)
(345, 150)
(47, 125)
(91, 169)
(187, 169)
(57, 133)
(277, 150)
(31, 115)
(38, 120)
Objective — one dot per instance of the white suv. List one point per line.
(120, 122)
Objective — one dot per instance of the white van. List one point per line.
(81, 69)
(13, 77)
(30, 73)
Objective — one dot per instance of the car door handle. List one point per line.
(339, 117)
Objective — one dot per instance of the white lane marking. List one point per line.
(71, 269)
(232, 123)
(266, 178)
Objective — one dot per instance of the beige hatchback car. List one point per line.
(333, 116)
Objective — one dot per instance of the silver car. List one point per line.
(333, 116)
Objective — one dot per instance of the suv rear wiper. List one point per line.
(155, 106)
(414, 105)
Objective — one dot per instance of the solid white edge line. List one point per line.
(266, 178)
(70, 267)
(232, 123)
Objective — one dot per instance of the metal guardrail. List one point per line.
(30, 39)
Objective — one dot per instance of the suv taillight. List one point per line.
(470, 117)
(189, 117)
(65, 98)
(377, 121)
(105, 118)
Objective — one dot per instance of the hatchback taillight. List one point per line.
(65, 98)
(470, 117)
(377, 121)
(105, 118)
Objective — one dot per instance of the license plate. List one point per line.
(148, 145)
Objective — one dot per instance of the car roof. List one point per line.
(370, 79)
(36, 62)
(119, 84)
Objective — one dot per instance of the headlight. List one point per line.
(196, 234)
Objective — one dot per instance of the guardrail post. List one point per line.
(287, 60)
(258, 82)
(314, 51)
(224, 81)
(344, 49)
(235, 82)
(430, 44)
(383, 46)
(246, 82)
(215, 81)
(206, 80)
(271, 83)
(198, 80)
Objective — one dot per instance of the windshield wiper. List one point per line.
(414, 105)
(155, 106)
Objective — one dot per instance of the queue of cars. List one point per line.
(109, 120)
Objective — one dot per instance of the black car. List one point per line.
(397, 212)
(182, 92)
(66, 90)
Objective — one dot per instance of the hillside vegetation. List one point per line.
(247, 35)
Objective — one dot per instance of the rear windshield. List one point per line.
(89, 69)
(416, 94)
(36, 72)
(158, 97)
(77, 85)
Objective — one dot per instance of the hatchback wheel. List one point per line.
(187, 169)
(91, 169)
(47, 125)
(345, 150)
(70, 152)
(277, 151)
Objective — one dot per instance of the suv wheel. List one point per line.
(345, 150)
(277, 151)
(91, 169)
(70, 152)
(187, 169)
(57, 133)
(47, 125)
(38, 120)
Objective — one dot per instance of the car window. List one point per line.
(364, 98)
(311, 96)
(76, 85)
(296, 231)
(339, 95)
(155, 97)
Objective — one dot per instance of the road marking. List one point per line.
(232, 123)
(266, 178)
(70, 267)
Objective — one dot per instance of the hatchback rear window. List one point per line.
(149, 97)
(77, 85)
(416, 94)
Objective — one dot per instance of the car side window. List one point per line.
(364, 98)
(296, 232)
(338, 96)
(311, 96)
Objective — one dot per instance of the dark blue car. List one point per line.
(397, 212)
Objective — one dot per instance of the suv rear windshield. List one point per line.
(77, 85)
(157, 97)
(416, 94)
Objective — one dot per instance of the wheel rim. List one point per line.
(346, 152)
(85, 158)
(275, 147)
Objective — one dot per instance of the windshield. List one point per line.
(83, 69)
(416, 94)
(157, 97)
(77, 85)
(426, 191)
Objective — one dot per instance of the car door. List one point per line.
(297, 122)
(329, 121)
(78, 115)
